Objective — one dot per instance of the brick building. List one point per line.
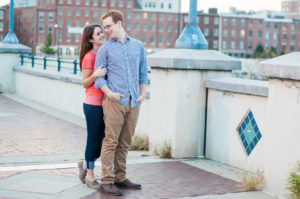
(291, 8)
(4, 21)
(157, 23)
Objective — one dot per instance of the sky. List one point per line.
(224, 5)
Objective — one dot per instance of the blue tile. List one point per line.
(240, 131)
(243, 125)
(258, 135)
(250, 115)
(242, 137)
(256, 129)
(251, 145)
(255, 140)
(253, 122)
(248, 150)
(246, 120)
(245, 143)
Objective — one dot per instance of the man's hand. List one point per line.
(115, 96)
(141, 98)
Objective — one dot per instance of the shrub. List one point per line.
(140, 142)
(294, 182)
(165, 150)
(253, 181)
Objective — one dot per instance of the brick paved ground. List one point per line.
(25, 131)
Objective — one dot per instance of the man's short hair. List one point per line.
(116, 16)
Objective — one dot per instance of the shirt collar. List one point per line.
(127, 38)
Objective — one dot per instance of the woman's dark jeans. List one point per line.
(95, 133)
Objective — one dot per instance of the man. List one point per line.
(125, 89)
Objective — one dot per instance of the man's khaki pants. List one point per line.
(120, 123)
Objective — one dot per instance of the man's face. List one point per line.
(112, 29)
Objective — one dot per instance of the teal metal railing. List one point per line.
(44, 61)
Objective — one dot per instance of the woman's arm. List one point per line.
(88, 77)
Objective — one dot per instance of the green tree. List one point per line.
(260, 51)
(272, 52)
(47, 48)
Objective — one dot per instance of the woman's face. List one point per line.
(98, 37)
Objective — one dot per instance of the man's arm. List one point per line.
(111, 95)
(143, 76)
(101, 59)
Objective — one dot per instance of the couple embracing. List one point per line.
(114, 73)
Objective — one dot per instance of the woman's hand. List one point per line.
(100, 72)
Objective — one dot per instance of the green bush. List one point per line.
(165, 150)
(294, 182)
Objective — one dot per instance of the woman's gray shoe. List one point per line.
(92, 185)
(82, 172)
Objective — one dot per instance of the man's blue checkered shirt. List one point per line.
(126, 68)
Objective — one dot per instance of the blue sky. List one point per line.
(223, 5)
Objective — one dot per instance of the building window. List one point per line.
(242, 45)
(268, 25)
(206, 20)
(129, 4)
(169, 17)
(87, 2)
(103, 3)
(69, 12)
(77, 38)
(292, 47)
(293, 37)
(267, 35)
(260, 22)
(1, 27)
(162, 5)
(224, 44)
(128, 15)
(224, 33)
(160, 40)
(242, 22)
(145, 15)
(41, 27)
(293, 27)
(145, 39)
(68, 37)
(169, 41)
(60, 11)
(206, 32)
(170, 6)
(250, 33)
(60, 37)
(284, 36)
(145, 27)
(242, 33)
(169, 28)
(95, 13)
(267, 46)
(259, 34)
(112, 3)
(275, 25)
(216, 32)
(233, 33)
(95, 2)
(50, 16)
(77, 23)
(233, 22)
(216, 20)
(215, 44)
(41, 16)
(161, 28)
(137, 15)
(86, 12)
(152, 40)
(153, 16)
(1, 37)
(77, 12)
(225, 21)
(232, 44)
(250, 46)
(60, 1)
(128, 27)
(120, 3)
(77, 2)
(50, 28)
(275, 35)
(152, 27)
(137, 27)
(161, 16)
(68, 23)
(60, 23)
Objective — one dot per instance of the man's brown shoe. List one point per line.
(110, 189)
(82, 172)
(127, 184)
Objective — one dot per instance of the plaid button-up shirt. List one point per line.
(126, 68)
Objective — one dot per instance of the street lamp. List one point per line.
(57, 39)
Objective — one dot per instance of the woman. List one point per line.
(93, 37)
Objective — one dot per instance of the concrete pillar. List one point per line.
(283, 119)
(177, 96)
(10, 57)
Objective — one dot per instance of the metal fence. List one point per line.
(71, 66)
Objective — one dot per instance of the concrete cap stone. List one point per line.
(191, 59)
(14, 48)
(283, 67)
(238, 85)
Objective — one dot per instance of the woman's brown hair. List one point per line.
(86, 45)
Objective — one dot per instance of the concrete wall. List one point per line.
(61, 91)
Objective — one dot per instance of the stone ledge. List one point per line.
(237, 85)
(190, 59)
(283, 67)
(14, 48)
(76, 79)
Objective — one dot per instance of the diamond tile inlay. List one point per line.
(249, 132)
